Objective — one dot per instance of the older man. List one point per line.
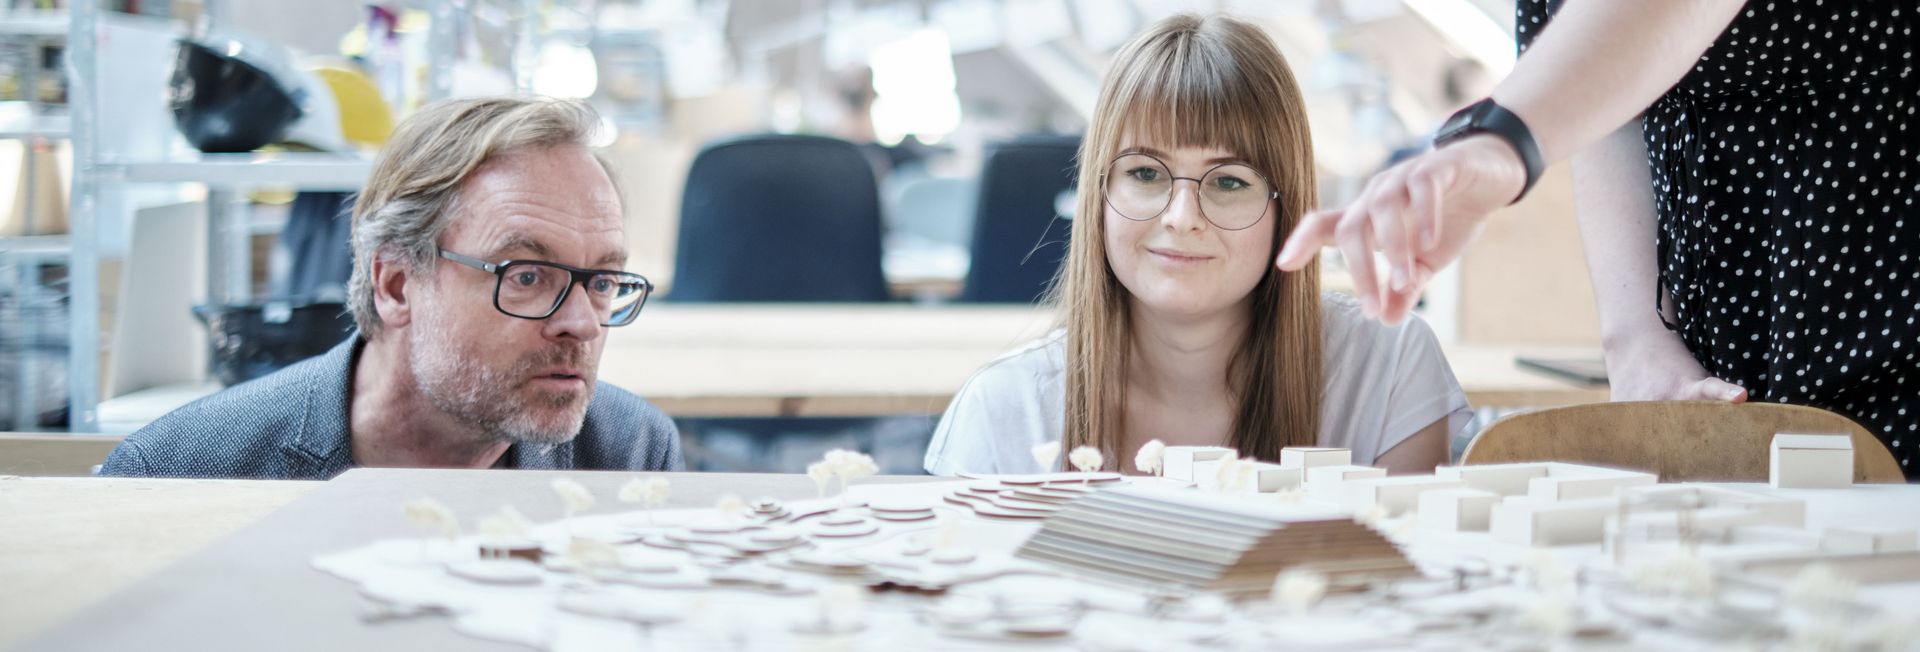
(488, 248)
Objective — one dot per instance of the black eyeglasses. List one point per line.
(534, 289)
(1232, 195)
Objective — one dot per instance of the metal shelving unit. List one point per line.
(44, 23)
(226, 177)
(51, 127)
(304, 170)
(83, 313)
(24, 258)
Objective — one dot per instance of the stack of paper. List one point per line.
(1160, 537)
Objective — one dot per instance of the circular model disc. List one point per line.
(858, 530)
(497, 571)
(840, 520)
(904, 517)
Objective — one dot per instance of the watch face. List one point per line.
(1455, 124)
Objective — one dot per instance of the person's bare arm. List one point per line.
(1601, 62)
(1597, 65)
(1418, 453)
(1613, 196)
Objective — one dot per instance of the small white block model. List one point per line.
(1717, 521)
(1811, 461)
(1869, 539)
(1206, 473)
(1178, 461)
(1578, 487)
(1308, 458)
(1503, 479)
(1536, 522)
(1774, 536)
(1768, 510)
(1462, 509)
(1719, 507)
(1519, 478)
(1397, 495)
(1269, 477)
(1329, 483)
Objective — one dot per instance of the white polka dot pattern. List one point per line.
(1786, 166)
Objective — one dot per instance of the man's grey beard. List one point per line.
(487, 399)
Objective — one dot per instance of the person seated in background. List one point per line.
(1175, 324)
(488, 246)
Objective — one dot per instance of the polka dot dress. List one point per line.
(1786, 167)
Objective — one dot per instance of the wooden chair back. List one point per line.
(1681, 440)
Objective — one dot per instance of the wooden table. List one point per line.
(69, 542)
(66, 543)
(843, 360)
(56, 454)
(837, 360)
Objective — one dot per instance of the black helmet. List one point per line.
(229, 96)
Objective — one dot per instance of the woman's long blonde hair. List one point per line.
(1206, 82)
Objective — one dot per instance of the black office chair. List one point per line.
(779, 218)
(1019, 233)
(776, 218)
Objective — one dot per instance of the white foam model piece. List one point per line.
(1301, 457)
(1536, 522)
(1869, 539)
(1668, 524)
(1396, 495)
(1178, 461)
(1329, 483)
(1718, 507)
(1580, 487)
(1779, 537)
(1565, 481)
(1269, 477)
(1811, 461)
(1460, 509)
(1206, 473)
(1503, 479)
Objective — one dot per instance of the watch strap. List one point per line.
(1488, 117)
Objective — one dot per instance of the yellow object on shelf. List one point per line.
(365, 119)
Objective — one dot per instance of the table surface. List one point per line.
(92, 537)
(69, 542)
(868, 360)
(836, 360)
(88, 550)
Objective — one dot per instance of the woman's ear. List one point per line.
(390, 298)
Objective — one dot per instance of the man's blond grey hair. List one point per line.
(412, 194)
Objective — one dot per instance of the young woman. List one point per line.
(1175, 324)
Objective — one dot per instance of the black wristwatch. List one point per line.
(1486, 117)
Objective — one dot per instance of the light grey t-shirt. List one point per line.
(1382, 384)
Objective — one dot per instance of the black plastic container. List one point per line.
(253, 340)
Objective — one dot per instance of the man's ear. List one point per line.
(390, 298)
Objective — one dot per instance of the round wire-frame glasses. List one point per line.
(1233, 196)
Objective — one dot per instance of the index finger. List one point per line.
(1313, 232)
